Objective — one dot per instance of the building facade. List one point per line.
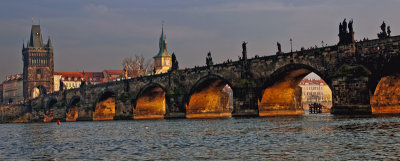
(71, 80)
(12, 89)
(163, 60)
(315, 91)
(112, 75)
(38, 65)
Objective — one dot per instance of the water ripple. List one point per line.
(308, 137)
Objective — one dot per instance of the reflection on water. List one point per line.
(308, 137)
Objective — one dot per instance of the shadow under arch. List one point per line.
(104, 108)
(206, 98)
(150, 102)
(385, 89)
(49, 110)
(281, 94)
(71, 113)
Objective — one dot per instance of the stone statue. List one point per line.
(383, 33)
(388, 31)
(344, 26)
(344, 36)
(383, 27)
(209, 61)
(175, 64)
(244, 52)
(351, 26)
(244, 48)
(279, 47)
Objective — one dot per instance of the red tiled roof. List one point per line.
(313, 81)
(97, 75)
(114, 72)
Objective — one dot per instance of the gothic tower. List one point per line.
(38, 65)
(162, 61)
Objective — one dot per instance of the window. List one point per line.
(38, 73)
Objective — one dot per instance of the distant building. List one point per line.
(73, 80)
(13, 89)
(111, 75)
(38, 65)
(315, 91)
(163, 60)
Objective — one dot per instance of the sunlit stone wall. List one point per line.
(105, 109)
(72, 113)
(282, 98)
(150, 105)
(208, 102)
(387, 95)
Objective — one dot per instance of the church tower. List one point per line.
(162, 61)
(38, 65)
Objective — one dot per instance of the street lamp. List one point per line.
(291, 50)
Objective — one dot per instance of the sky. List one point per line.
(94, 35)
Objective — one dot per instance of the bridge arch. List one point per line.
(49, 111)
(386, 89)
(39, 91)
(150, 102)
(71, 113)
(281, 93)
(207, 98)
(104, 108)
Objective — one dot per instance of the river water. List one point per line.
(307, 137)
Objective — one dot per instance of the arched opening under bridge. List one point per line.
(292, 90)
(49, 110)
(71, 113)
(386, 97)
(105, 107)
(151, 103)
(211, 97)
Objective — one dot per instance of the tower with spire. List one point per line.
(38, 63)
(162, 61)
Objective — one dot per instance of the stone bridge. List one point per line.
(262, 86)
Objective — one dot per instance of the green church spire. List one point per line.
(163, 44)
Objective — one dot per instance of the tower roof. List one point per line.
(49, 45)
(36, 40)
(163, 45)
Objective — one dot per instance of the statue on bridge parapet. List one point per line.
(61, 87)
(209, 61)
(383, 33)
(279, 48)
(244, 52)
(175, 64)
(344, 36)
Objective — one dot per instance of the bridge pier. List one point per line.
(175, 106)
(351, 96)
(245, 102)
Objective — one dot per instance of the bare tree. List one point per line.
(136, 66)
